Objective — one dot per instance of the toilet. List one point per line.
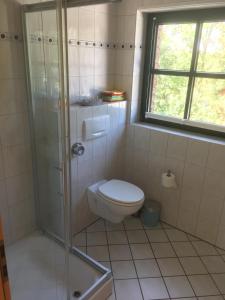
(114, 200)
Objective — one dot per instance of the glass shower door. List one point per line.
(43, 43)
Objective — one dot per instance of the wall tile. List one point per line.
(197, 152)
(214, 183)
(216, 159)
(130, 28)
(12, 129)
(15, 159)
(86, 24)
(2, 170)
(73, 56)
(220, 242)
(19, 188)
(209, 217)
(158, 142)
(177, 147)
(72, 22)
(87, 87)
(86, 56)
(141, 138)
(170, 205)
(193, 177)
(188, 209)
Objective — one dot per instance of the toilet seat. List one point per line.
(121, 193)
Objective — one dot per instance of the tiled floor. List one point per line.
(155, 263)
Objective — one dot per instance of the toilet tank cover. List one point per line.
(121, 191)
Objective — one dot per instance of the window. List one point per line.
(184, 76)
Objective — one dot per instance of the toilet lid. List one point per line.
(121, 191)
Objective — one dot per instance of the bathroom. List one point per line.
(79, 176)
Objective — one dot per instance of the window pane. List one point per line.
(169, 95)
(208, 103)
(174, 46)
(212, 48)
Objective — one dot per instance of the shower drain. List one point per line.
(76, 294)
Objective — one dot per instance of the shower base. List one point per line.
(36, 267)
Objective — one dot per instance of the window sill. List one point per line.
(182, 133)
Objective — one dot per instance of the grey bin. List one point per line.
(150, 214)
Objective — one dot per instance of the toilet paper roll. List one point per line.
(168, 180)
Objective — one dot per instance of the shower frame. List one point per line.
(61, 8)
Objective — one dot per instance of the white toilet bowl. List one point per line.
(114, 200)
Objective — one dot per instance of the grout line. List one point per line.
(181, 265)
(148, 242)
(158, 265)
(110, 262)
(210, 274)
(134, 265)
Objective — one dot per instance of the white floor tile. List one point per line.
(193, 265)
(192, 238)
(117, 237)
(96, 239)
(203, 285)
(97, 226)
(183, 249)
(141, 251)
(133, 223)
(178, 287)
(191, 298)
(211, 298)
(158, 226)
(123, 270)
(137, 236)
(220, 251)
(176, 235)
(170, 267)
(163, 250)
(83, 249)
(106, 264)
(128, 289)
(114, 227)
(166, 226)
(120, 252)
(204, 248)
(157, 235)
(153, 288)
(214, 264)
(147, 268)
(220, 282)
(99, 253)
(80, 239)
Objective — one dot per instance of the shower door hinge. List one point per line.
(63, 103)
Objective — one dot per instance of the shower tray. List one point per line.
(37, 271)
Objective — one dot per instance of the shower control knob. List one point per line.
(78, 149)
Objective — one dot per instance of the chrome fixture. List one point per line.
(77, 149)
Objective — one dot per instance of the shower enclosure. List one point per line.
(45, 265)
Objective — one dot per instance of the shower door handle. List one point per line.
(77, 149)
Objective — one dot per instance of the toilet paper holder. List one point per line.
(168, 180)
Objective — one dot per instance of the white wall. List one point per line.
(197, 206)
(92, 61)
(92, 70)
(16, 186)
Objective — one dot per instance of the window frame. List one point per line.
(198, 16)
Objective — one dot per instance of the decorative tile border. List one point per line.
(10, 36)
(72, 42)
(52, 40)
